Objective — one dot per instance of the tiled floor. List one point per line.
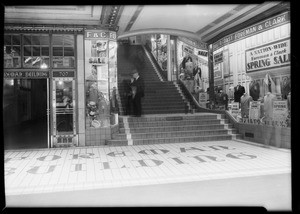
(51, 170)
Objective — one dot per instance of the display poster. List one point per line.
(218, 57)
(98, 54)
(280, 109)
(203, 99)
(254, 110)
(226, 64)
(217, 71)
(235, 109)
(272, 55)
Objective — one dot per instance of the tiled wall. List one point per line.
(273, 136)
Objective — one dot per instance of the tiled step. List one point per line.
(174, 123)
(174, 140)
(176, 128)
(174, 134)
(158, 111)
(202, 116)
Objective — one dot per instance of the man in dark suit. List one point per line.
(238, 92)
(138, 87)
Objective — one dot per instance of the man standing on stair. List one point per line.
(137, 86)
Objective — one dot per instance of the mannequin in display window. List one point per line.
(268, 104)
(245, 103)
(239, 90)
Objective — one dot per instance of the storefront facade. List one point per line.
(245, 57)
(45, 86)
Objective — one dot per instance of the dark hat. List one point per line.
(134, 71)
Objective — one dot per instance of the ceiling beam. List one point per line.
(174, 32)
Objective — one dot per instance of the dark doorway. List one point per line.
(25, 113)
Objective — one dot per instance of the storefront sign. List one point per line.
(63, 74)
(254, 29)
(196, 44)
(254, 110)
(275, 54)
(26, 74)
(202, 53)
(218, 58)
(99, 34)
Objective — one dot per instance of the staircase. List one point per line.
(161, 97)
(164, 112)
(173, 128)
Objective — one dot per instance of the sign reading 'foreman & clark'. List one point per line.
(254, 29)
(272, 55)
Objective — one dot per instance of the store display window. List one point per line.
(12, 51)
(36, 51)
(63, 51)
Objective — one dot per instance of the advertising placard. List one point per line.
(254, 110)
(280, 110)
(217, 71)
(273, 55)
(218, 58)
(235, 109)
(202, 99)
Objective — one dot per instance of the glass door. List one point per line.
(64, 116)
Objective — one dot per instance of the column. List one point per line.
(169, 61)
(80, 92)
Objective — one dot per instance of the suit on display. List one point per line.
(245, 104)
(238, 92)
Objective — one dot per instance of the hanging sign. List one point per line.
(273, 55)
(188, 49)
(217, 71)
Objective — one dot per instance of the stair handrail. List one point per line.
(152, 58)
(193, 102)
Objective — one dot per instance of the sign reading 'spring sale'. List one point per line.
(272, 55)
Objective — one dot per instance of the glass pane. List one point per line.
(64, 112)
(57, 62)
(27, 50)
(57, 40)
(16, 40)
(45, 40)
(7, 49)
(45, 51)
(68, 51)
(7, 40)
(16, 51)
(68, 40)
(35, 40)
(36, 51)
(26, 40)
(57, 51)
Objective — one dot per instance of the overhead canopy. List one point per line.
(200, 22)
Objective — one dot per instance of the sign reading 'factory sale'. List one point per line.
(273, 55)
